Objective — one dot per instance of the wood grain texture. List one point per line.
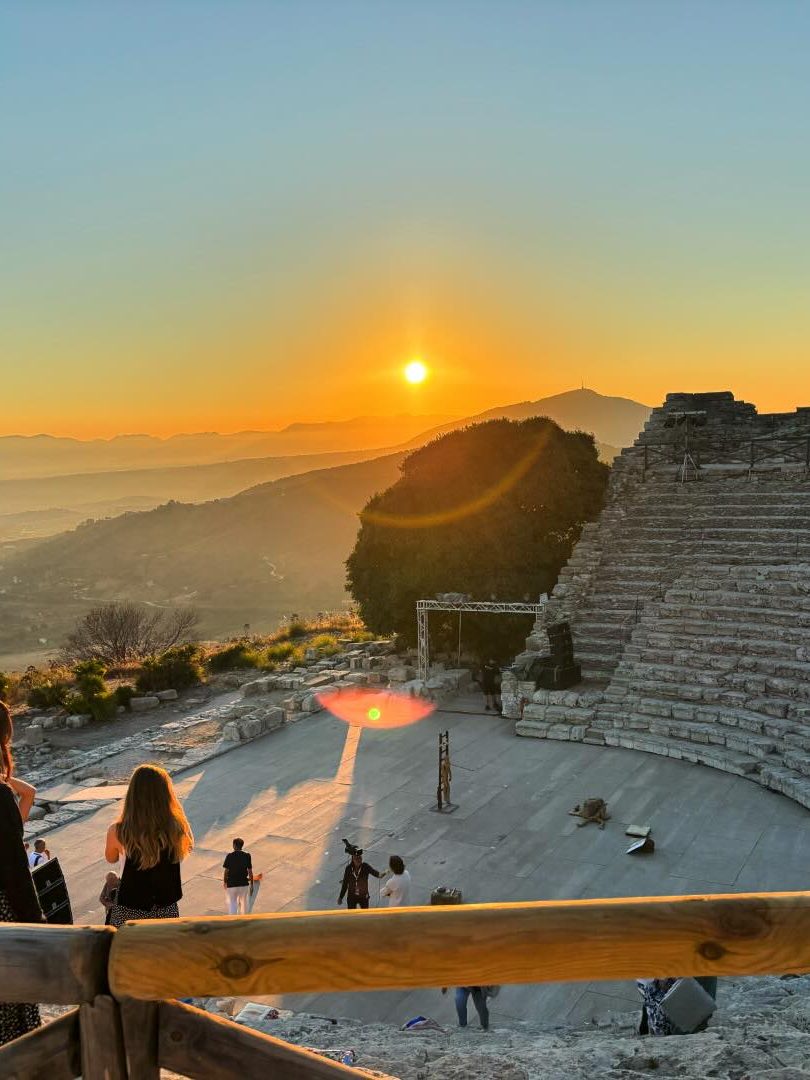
(480, 944)
(140, 1023)
(204, 1047)
(62, 965)
(102, 1040)
(49, 1053)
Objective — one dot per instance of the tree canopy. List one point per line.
(492, 510)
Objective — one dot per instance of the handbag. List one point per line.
(687, 1005)
(49, 882)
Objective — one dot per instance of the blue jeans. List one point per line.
(479, 1001)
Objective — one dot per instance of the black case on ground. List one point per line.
(49, 881)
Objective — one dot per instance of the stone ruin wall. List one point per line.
(689, 601)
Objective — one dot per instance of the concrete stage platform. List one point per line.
(294, 793)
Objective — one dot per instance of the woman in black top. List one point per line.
(153, 836)
(355, 881)
(18, 898)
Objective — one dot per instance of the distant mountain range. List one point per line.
(36, 506)
(247, 558)
(23, 456)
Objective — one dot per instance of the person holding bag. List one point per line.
(18, 897)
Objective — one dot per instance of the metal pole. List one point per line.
(458, 661)
(423, 643)
(439, 785)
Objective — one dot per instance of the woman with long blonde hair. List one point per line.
(153, 836)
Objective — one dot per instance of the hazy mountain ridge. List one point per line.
(247, 558)
(26, 456)
(614, 421)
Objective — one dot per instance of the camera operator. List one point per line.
(355, 879)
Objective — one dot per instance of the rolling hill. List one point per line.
(247, 558)
(273, 549)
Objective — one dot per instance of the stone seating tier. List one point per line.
(690, 611)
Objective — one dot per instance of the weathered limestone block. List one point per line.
(144, 704)
(166, 695)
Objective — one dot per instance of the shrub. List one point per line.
(100, 706)
(89, 676)
(326, 644)
(47, 693)
(123, 694)
(296, 628)
(174, 669)
(238, 655)
(5, 686)
(282, 650)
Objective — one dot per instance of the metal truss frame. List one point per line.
(490, 607)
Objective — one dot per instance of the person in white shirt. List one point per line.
(39, 855)
(398, 886)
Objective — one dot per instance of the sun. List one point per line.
(415, 372)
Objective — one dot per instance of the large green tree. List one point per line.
(492, 510)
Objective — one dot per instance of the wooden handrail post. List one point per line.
(102, 1040)
(139, 1020)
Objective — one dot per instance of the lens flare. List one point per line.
(375, 708)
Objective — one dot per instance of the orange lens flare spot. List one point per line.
(375, 708)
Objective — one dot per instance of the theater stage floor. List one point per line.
(294, 793)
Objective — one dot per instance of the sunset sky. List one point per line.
(236, 215)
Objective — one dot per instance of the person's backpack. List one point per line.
(491, 991)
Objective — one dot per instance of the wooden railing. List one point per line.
(792, 450)
(126, 1026)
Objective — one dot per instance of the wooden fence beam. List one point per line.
(478, 944)
(48, 1053)
(102, 1040)
(199, 1045)
(63, 965)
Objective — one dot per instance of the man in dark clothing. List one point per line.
(238, 878)
(491, 685)
(355, 881)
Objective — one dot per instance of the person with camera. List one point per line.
(355, 879)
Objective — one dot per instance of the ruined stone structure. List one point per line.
(689, 598)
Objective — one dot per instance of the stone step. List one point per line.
(793, 615)
(720, 623)
(650, 702)
(794, 528)
(693, 695)
(716, 757)
(678, 526)
(719, 662)
(715, 639)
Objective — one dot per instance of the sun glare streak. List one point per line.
(345, 769)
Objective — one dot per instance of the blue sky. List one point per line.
(210, 198)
